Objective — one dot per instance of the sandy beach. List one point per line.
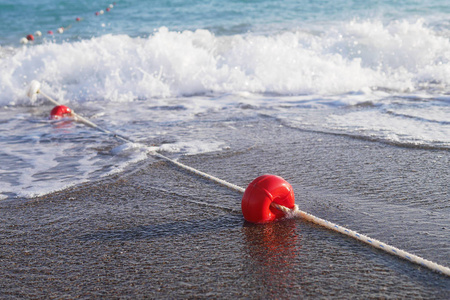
(348, 101)
(156, 231)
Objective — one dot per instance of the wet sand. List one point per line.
(155, 231)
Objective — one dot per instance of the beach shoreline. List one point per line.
(140, 234)
(348, 102)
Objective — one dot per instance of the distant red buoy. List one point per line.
(97, 13)
(30, 37)
(60, 111)
(260, 193)
(50, 32)
(108, 9)
(78, 19)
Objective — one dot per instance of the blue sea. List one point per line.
(375, 70)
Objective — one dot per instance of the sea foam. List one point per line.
(382, 81)
(356, 56)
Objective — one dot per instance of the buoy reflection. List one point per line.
(273, 250)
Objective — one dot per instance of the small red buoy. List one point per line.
(78, 19)
(260, 193)
(60, 111)
(108, 9)
(97, 13)
(50, 32)
(30, 37)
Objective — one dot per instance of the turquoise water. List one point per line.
(376, 70)
(141, 18)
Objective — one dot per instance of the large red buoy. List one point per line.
(60, 111)
(260, 193)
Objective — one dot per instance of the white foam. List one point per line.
(354, 56)
(392, 128)
(438, 114)
(132, 147)
(192, 147)
(388, 80)
(38, 172)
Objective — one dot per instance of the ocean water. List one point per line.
(151, 71)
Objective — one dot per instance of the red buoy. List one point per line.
(60, 111)
(50, 32)
(78, 19)
(30, 37)
(260, 193)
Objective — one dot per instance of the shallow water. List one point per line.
(377, 72)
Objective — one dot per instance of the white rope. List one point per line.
(201, 174)
(295, 212)
(290, 213)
